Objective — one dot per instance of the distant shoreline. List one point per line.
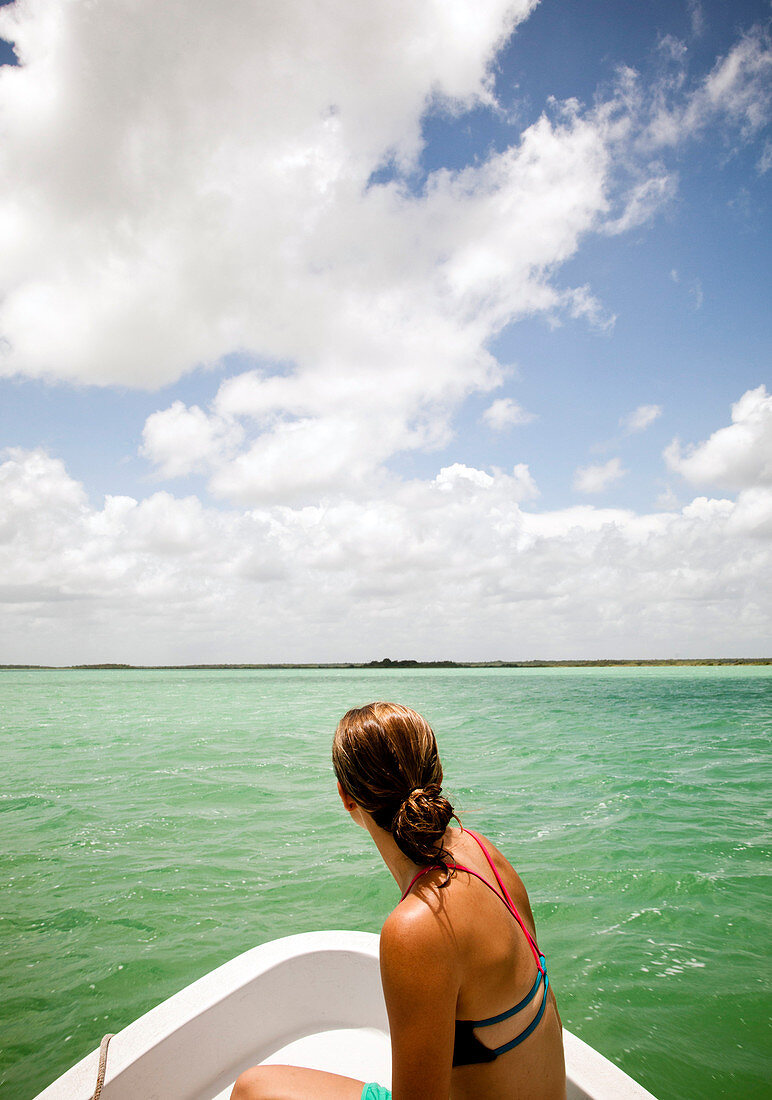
(677, 662)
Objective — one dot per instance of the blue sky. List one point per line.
(432, 263)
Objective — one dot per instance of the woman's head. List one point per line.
(385, 757)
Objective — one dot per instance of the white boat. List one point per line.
(311, 1000)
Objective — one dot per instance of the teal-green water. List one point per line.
(157, 823)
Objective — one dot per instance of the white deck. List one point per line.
(309, 1000)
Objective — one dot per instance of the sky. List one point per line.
(430, 330)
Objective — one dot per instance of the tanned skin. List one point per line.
(447, 953)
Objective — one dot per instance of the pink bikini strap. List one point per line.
(453, 867)
(492, 866)
(510, 904)
(505, 899)
(415, 879)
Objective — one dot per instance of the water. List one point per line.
(157, 823)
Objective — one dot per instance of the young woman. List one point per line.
(471, 1012)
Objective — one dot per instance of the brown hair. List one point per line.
(385, 757)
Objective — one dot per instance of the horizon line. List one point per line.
(387, 663)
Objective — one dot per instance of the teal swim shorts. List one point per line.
(375, 1092)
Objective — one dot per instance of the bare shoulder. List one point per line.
(417, 942)
(413, 928)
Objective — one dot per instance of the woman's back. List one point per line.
(471, 1013)
(507, 1037)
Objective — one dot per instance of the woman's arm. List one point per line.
(420, 984)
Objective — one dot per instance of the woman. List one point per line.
(470, 1010)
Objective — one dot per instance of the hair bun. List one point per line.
(422, 795)
(420, 822)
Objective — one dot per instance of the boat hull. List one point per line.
(313, 999)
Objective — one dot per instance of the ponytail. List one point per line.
(385, 758)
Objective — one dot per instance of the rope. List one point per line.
(102, 1066)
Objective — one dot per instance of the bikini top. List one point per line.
(467, 1048)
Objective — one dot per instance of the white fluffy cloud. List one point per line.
(505, 413)
(207, 189)
(640, 419)
(163, 207)
(181, 440)
(459, 478)
(596, 479)
(736, 91)
(394, 337)
(736, 457)
(165, 579)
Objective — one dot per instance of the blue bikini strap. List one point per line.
(521, 1004)
(531, 1027)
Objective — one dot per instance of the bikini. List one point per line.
(467, 1048)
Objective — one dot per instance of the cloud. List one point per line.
(640, 419)
(694, 287)
(667, 501)
(459, 478)
(163, 208)
(181, 440)
(753, 513)
(504, 413)
(697, 17)
(167, 579)
(643, 201)
(32, 479)
(736, 92)
(161, 222)
(737, 457)
(596, 479)
(303, 459)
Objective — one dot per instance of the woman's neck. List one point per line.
(402, 869)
